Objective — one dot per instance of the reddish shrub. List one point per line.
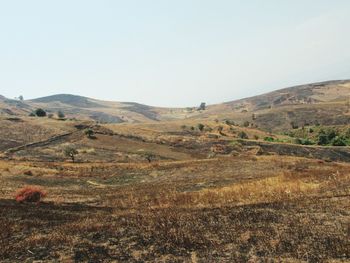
(30, 173)
(30, 194)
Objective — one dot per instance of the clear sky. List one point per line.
(170, 53)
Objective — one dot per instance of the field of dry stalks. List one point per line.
(225, 209)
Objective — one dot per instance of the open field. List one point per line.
(202, 198)
(223, 210)
(264, 179)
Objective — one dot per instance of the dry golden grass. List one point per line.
(226, 209)
(188, 208)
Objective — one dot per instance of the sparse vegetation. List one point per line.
(243, 135)
(200, 126)
(90, 133)
(71, 152)
(163, 191)
(149, 156)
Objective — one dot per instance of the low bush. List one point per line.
(31, 194)
(40, 112)
(29, 173)
(339, 141)
(303, 141)
(243, 135)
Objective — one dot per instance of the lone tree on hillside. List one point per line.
(90, 133)
(60, 115)
(202, 106)
(40, 112)
(70, 151)
(20, 98)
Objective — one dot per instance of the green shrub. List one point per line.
(90, 133)
(339, 141)
(269, 139)
(60, 115)
(303, 141)
(200, 126)
(40, 112)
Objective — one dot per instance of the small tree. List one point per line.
(294, 125)
(70, 151)
(202, 106)
(90, 133)
(242, 135)
(149, 156)
(60, 115)
(40, 112)
(20, 98)
(200, 126)
(322, 138)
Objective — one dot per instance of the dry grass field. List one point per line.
(229, 209)
(244, 181)
(201, 198)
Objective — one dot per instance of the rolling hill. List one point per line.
(175, 185)
(325, 103)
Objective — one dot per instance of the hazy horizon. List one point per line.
(167, 53)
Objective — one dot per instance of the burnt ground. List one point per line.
(224, 210)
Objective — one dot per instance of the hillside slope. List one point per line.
(325, 103)
(84, 108)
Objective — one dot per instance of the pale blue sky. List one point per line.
(170, 53)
